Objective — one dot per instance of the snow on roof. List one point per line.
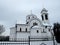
(46, 24)
(35, 26)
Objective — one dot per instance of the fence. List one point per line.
(14, 43)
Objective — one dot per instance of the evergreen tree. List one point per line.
(56, 30)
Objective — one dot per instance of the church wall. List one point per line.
(12, 33)
(48, 33)
(23, 27)
(40, 33)
(35, 33)
(23, 35)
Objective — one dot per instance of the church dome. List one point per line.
(30, 16)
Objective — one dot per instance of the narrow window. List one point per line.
(42, 17)
(26, 29)
(20, 29)
(45, 26)
(44, 31)
(37, 31)
(46, 17)
(49, 29)
(33, 16)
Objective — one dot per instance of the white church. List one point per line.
(35, 31)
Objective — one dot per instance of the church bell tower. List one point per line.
(44, 15)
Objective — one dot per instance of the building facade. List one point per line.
(35, 31)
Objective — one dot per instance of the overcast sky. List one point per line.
(12, 11)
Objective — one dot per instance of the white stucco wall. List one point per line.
(23, 35)
(23, 27)
(34, 32)
(12, 33)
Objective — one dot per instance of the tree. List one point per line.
(56, 30)
(4, 38)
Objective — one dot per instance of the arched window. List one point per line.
(20, 29)
(26, 29)
(27, 23)
(35, 24)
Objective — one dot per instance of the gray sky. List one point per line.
(12, 11)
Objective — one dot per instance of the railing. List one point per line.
(14, 43)
(31, 38)
(19, 39)
(20, 42)
(41, 38)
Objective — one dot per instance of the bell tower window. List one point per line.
(42, 17)
(46, 16)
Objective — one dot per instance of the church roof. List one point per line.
(35, 26)
(46, 24)
(44, 10)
